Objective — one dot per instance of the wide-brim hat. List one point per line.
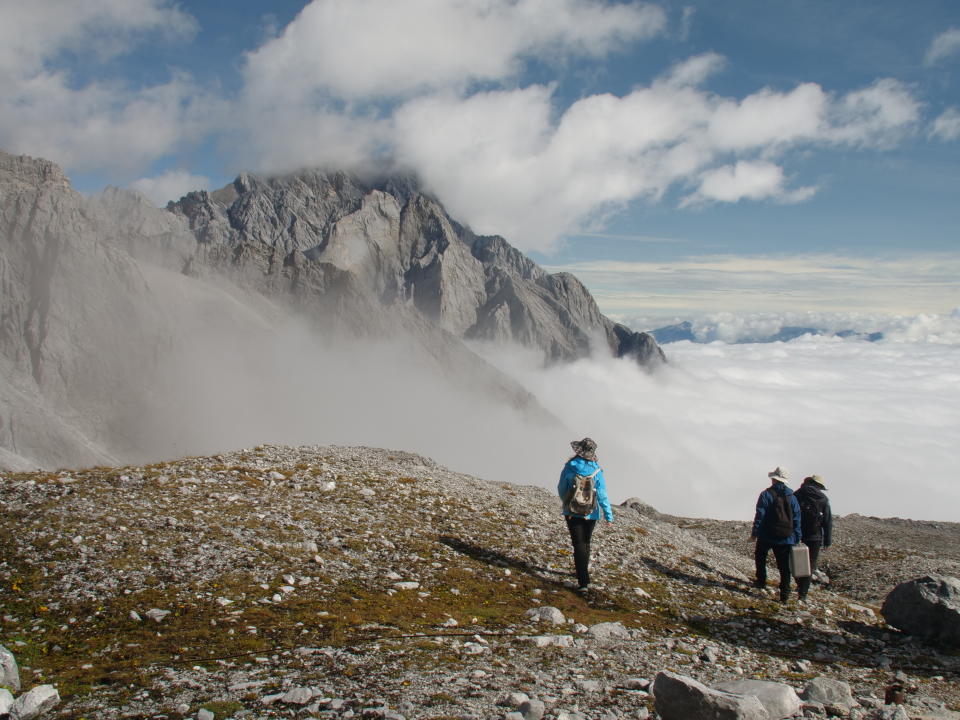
(816, 479)
(586, 448)
(779, 473)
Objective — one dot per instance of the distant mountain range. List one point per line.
(684, 331)
(111, 308)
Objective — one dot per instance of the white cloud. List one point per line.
(696, 286)
(746, 181)
(376, 48)
(171, 185)
(876, 116)
(947, 125)
(699, 437)
(95, 125)
(33, 33)
(769, 118)
(501, 163)
(101, 126)
(943, 46)
(436, 88)
(512, 161)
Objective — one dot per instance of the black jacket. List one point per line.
(811, 492)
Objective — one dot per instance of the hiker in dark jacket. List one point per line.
(816, 522)
(581, 525)
(769, 537)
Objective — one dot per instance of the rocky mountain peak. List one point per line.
(401, 249)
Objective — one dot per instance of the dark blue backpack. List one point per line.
(780, 517)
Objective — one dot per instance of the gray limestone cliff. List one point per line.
(385, 243)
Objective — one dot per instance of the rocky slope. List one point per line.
(338, 582)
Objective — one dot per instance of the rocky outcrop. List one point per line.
(928, 607)
(386, 244)
(681, 698)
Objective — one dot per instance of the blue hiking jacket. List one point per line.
(579, 466)
(764, 504)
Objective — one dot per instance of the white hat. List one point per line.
(779, 474)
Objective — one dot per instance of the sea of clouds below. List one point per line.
(878, 420)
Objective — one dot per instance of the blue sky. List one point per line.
(681, 158)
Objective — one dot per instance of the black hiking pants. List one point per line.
(581, 529)
(782, 553)
(803, 583)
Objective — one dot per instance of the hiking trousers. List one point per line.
(782, 553)
(803, 583)
(581, 530)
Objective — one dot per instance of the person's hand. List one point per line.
(752, 538)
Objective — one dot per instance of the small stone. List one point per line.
(205, 714)
(532, 710)
(514, 700)
(297, 696)
(156, 614)
(588, 686)
(608, 631)
(547, 614)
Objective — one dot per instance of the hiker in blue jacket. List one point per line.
(776, 526)
(583, 463)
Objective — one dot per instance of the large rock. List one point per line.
(779, 700)
(9, 672)
(683, 698)
(834, 695)
(928, 607)
(41, 699)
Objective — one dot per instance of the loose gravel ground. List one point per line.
(347, 581)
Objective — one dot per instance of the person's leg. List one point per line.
(760, 559)
(581, 530)
(782, 554)
(803, 583)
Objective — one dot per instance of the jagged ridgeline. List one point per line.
(386, 243)
(117, 318)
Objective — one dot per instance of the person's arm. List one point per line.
(797, 530)
(827, 526)
(759, 515)
(563, 487)
(602, 499)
